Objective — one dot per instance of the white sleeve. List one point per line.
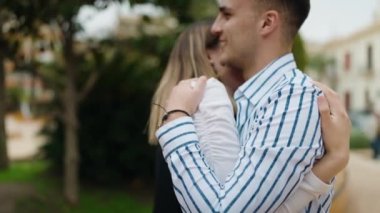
(215, 125)
(310, 188)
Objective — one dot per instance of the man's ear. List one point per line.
(269, 22)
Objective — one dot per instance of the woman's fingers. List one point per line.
(324, 109)
(335, 103)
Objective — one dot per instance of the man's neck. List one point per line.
(261, 60)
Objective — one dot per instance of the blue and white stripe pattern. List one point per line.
(279, 128)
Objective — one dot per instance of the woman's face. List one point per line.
(214, 57)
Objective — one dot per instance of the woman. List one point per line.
(190, 59)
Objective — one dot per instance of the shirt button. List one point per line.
(197, 146)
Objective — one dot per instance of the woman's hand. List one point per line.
(186, 96)
(336, 130)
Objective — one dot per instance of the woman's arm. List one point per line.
(336, 129)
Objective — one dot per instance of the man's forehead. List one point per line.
(221, 2)
(228, 3)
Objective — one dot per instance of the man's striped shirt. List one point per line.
(280, 137)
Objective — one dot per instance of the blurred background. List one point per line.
(77, 78)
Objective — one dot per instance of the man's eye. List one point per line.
(227, 15)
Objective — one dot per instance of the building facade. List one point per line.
(353, 68)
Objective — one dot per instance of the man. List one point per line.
(277, 115)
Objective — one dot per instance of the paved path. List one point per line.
(363, 183)
(10, 193)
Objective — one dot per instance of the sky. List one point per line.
(328, 19)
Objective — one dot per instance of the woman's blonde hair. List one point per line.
(188, 59)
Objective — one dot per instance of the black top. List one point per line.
(164, 198)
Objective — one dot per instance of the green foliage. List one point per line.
(13, 97)
(299, 52)
(102, 202)
(179, 8)
(94, 201)
(23, 171)
(203, 9)
(26, 11)
(359, 140)
(113, 116)
(186, 11)
(319, 63)
(48, 198)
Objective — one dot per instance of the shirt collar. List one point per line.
(262, 82)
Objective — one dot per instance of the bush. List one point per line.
(359, 140)
(13, 98)
(113, 117)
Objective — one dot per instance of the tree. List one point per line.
(186, 11)
(319, 63)
(113, 116)
(8, 44)
(61, 14)
(4, 162)
(299, 52)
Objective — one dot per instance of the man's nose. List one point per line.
(216, 27)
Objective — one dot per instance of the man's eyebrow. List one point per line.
(223, 9)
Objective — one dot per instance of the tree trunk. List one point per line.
(4, 162)
(32, 100)
(71, 185)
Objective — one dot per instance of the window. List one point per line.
(347, 101)
(369, 58)
(368, 101)
(347, 61)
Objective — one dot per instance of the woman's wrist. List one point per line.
(172, 115)
(329, 166)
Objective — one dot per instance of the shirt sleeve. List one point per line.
(216, 129)
(283, 141)
(310, 188)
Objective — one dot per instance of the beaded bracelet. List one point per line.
(166, 115)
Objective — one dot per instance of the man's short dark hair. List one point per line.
(294, 12)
